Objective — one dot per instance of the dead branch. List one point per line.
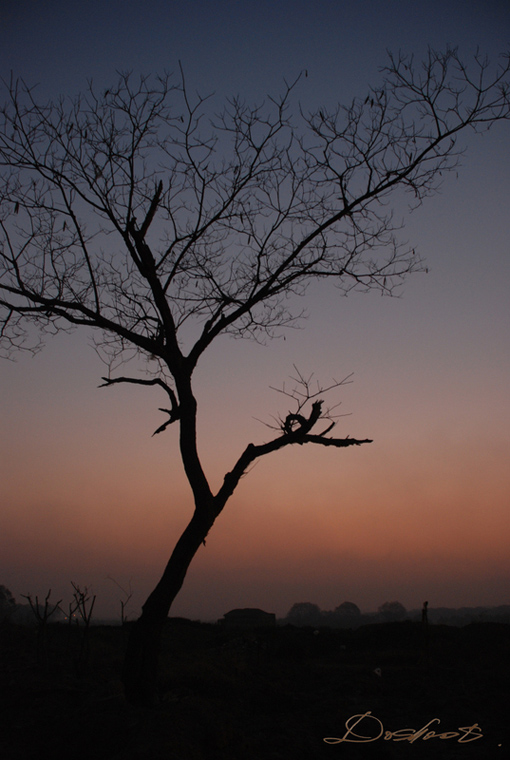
(42, 614)
(173, 414)
(84, 603)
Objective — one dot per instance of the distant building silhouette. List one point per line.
(248, 618)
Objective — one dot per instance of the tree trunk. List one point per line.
(140, 673)
(141, 663)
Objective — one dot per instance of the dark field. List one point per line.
(270, 693)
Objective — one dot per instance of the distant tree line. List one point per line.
(303, 614)
(346, 615)
(349, 615)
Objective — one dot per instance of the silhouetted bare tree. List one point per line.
(84, 605)
(131, 212)
(42, 615)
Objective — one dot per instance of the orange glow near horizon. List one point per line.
(320, 526)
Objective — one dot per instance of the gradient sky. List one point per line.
(421, 513)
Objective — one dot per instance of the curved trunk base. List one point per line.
(140, 675)
(140, 672)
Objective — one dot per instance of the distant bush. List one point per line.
(391, 612)
(304, 613)
(7, 603)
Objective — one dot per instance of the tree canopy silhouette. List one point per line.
(138, 213)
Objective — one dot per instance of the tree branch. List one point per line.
(253, 452)
(291, 435)
(175, 411)
(256, 205)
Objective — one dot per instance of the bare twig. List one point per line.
(123, 602)
(305, 390)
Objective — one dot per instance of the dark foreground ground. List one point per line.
(271, 694)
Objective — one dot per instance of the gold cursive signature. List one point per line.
(463, 734)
